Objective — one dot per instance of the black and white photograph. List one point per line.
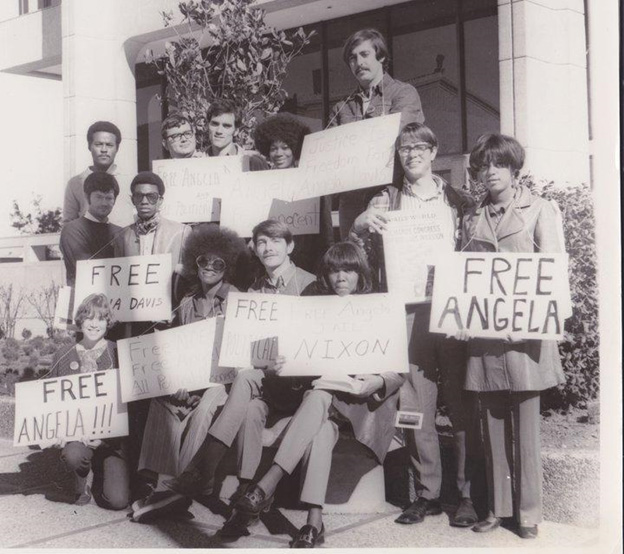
(310, 274)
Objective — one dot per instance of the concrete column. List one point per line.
(98, 84)
(543, 85)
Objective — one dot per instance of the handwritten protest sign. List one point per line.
(194, 186)
(182, 358)
(138, 287)
(413, 241)
(73, 407)
(496, 294)
(254, 196)
(355, 334)
(352, 156)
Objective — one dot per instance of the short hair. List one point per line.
(418, 132)
(377, 40)
(497, 149)
(103, 127)
(209, 238)
(280, 127)
(148, 178)
(94, 306)
(172, 121)
(345, 256)
(100, 181)
(222, 106)
(272, 228)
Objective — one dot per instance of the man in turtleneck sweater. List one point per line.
(91, 235)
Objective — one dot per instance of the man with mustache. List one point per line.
(103, 140)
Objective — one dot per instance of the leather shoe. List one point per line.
(254, 501)
(418, 510)
(189, 483)
(465, 515)
(308, 537)
(527, 532)
(492, 522)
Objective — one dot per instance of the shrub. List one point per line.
(26, 333)
(49, 349)
(27, 349)
(37, 343)
(12, 343)
(579, 349)
(10, 353)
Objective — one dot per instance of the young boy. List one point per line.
(252, 396)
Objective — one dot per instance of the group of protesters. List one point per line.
(491, 387)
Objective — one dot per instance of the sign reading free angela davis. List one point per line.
(493, 295)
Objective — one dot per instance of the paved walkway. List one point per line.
(32, 514)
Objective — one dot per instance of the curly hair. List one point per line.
(94, 306)
(345, 256)
(284, 128)
(209, 238)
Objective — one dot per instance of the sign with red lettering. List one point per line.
(70, 408)
(138, 287)
(163, 362)
(498, 294)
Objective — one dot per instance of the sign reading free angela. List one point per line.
(497, 294)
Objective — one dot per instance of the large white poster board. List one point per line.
(497, 294)
(347, 157)
(73, 407)
(193, 186)
(347, 335)
(413, 241)
(254, 196)
(138, 287)
(163, 362)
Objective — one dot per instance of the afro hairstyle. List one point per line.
(284, 128)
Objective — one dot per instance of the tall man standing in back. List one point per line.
(103, 140)
(366, 54)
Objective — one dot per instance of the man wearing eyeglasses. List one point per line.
(103, 140)
(178, 137)
(429, 354)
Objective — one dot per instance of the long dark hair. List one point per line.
(349, 257)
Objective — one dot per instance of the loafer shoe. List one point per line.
(254, 501)
(527, 532)
(487, 525)
(159, 504)
(419, 509)
(188, 483)
(465, 515)
(308, 537)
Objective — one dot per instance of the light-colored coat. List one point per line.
(531, 224)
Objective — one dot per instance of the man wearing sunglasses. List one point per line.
(429, 354)
(178, 137)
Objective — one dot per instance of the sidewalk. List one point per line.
(29, 519)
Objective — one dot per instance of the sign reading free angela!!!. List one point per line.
(494, 295)
(138, 287)
(69, 408)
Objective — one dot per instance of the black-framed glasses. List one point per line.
(210, 262)
(419, 148)
(152, 197)
(177, 136)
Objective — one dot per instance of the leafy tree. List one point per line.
(36, 222)
(229, 52)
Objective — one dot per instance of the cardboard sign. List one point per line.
(62, 310)
(254, 196)
(332, 335)
(163, 362)
(413, 241)
(73, 407)
(138, 287)
(352, 156)
(193, 186)
(250, 319)
(497, 294)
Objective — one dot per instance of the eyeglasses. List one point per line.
(209, 262)
(177, 136)
(152, 197)
(420, 148)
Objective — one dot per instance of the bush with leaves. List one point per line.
(10, 353)
(228, 52)
(38, 342)
(579, 349)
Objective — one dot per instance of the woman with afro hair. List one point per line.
(177, 424)
(279, 139)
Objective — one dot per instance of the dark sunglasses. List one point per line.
(152, 197)
(209, 262)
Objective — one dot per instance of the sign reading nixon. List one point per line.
(138, 287)
(497, 294)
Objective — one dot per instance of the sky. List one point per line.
(31, 147)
